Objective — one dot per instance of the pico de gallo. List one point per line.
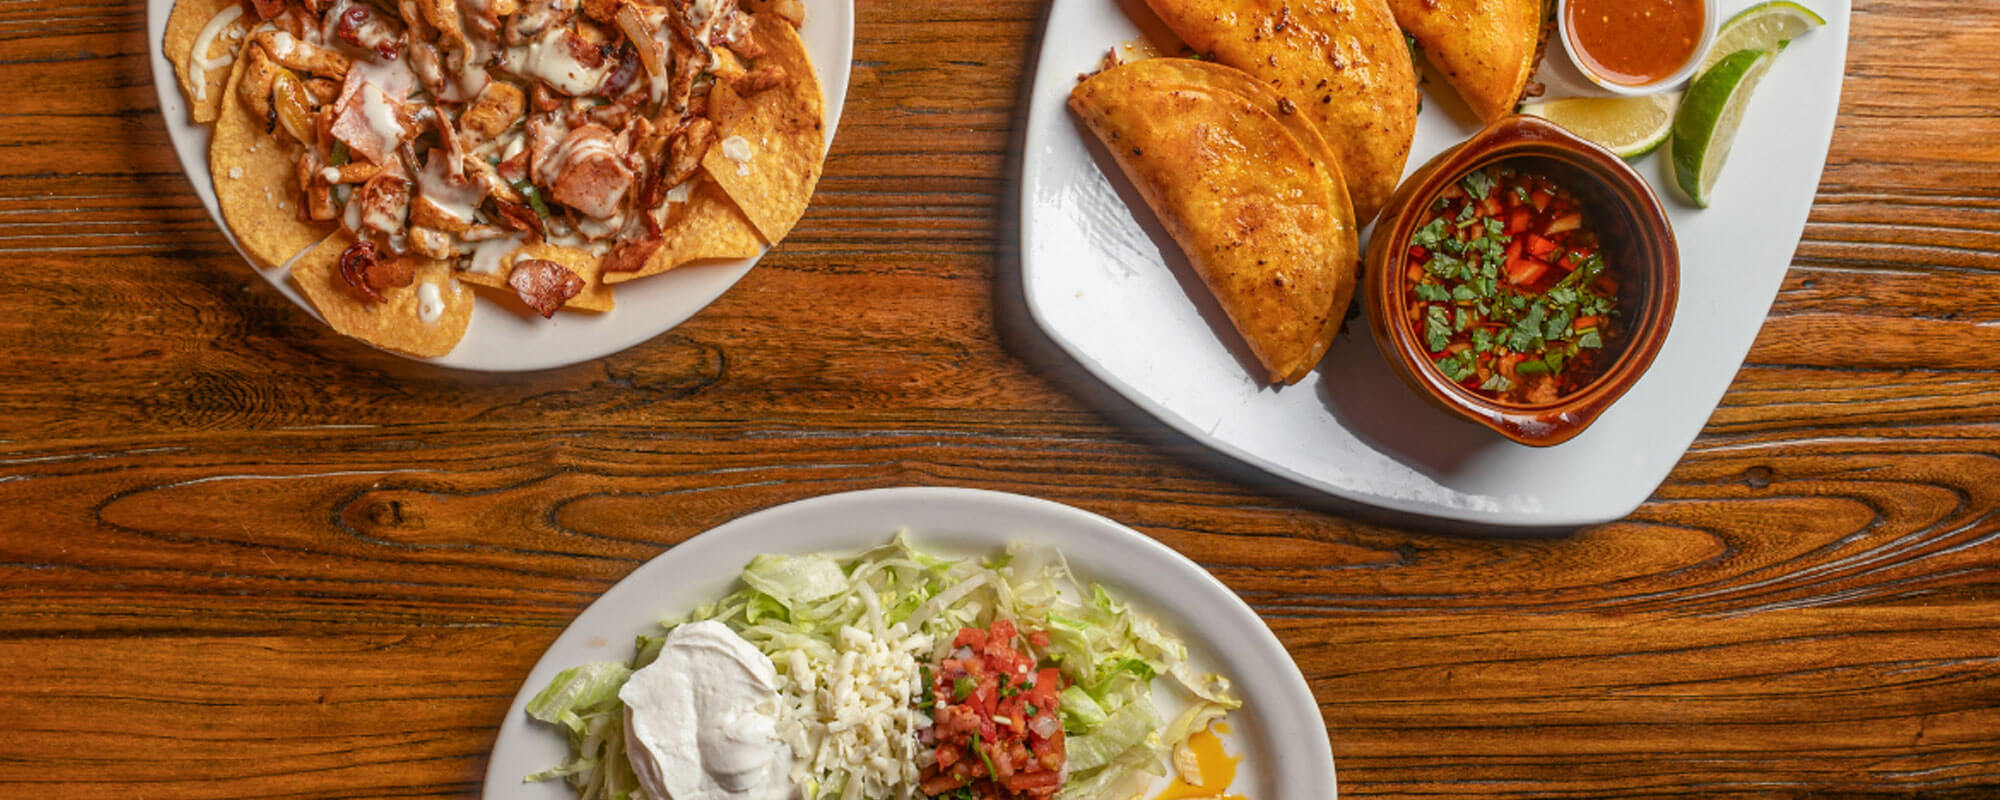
(995, 732)
(1508, 289)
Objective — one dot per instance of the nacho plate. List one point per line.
(1110, 289)
(504, 339)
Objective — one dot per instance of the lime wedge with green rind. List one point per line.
(1765, 26)
(1706, 125)
(1627, 126)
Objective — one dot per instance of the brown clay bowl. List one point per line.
(1634, 238)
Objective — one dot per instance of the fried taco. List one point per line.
(536, 147)
(1254, 199)
(1485, 48)
(1344, 65)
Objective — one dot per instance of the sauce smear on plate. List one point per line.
(1635, 42)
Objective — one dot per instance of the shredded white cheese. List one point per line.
(855, 713)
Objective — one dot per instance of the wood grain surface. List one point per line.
(241, 557)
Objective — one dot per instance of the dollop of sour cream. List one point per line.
(701, 720)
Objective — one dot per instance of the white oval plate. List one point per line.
(499, 340)
(1279, 731)
(1096, 273)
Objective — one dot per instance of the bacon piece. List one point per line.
(368, 273)
(351, 123)
(360, 25)
(632, 255)
(544, 285)
(518, 217)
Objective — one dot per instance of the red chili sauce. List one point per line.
(996, 734)
(1634, 42)
(1506, 288)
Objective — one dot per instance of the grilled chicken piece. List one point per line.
(384, 202)
(536, 16)
(303, 56)
(590, 175)
(496, 109)
(260, 74)
(431, 243)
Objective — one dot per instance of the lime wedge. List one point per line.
(1765, 26)
(1628, 126)
(1706, 124)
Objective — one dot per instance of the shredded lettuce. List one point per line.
(803, 610)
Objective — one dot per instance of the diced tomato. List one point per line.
(1491, 206)
(985, 740)
(1540, 247)
(1417, 253)
(1519, 220)
(1564, 223)
(1539, 198)
(1525, 271)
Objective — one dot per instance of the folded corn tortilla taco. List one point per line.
(1255, 201)
(1484, 48)
(1344, 65)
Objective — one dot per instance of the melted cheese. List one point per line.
(430, 304)
(549, 58)
(435, 186)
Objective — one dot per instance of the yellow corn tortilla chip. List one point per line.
(784, 127)
(596, 296)
(202, 87)
(396, 325)
(710, 227)
(256, 183)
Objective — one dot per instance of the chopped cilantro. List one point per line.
(1429, 234)
(1477, 183)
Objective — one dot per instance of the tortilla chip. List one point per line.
(256, 183)
(785, 127)
(184, 26)
(1485, 48)
(1343, 64)
(1269, 232)
(394, 325)
(596, 296)
(710, 227)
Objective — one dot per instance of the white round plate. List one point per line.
(1278, 731)
(1107, 285)
(499, 340)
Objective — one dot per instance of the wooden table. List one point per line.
(243, 557)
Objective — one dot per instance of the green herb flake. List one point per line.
(1429, 234)
(1478, 184)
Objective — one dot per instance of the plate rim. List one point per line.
(189, 142)
(1028, 209)
(1293, 746)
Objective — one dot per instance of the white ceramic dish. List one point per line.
(500, 341)
(1107, 285)
(1279, 731)
(1565, 40)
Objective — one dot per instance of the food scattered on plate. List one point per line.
(1246, 187)
(539, 150)
(894, 673)
(1507, 288)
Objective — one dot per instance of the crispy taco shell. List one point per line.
(256, 182)
(1342, 64)
(1485, 48)
(1263, 220)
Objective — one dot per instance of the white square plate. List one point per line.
(1113, 291)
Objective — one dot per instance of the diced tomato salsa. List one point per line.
(995, 734)
(1507, 288)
